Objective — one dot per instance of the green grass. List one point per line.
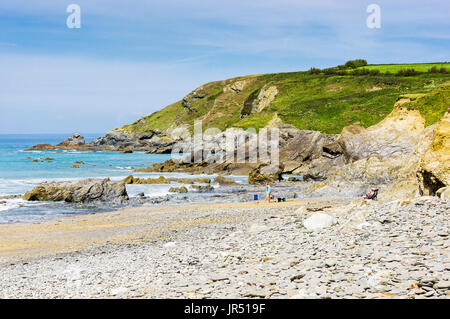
(320, 102)
(433, 105)
(394, 68)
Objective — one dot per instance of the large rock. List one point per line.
(302, 146)
(221, 180)
(89, 190)
(75, 139)
(402, 190)
(265, 174)
(181, 189)
(434, 170)
(318, 221)
(136, 180)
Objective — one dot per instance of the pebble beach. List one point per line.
(397, 249)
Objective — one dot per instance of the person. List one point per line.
(372, 194)
(268, 192)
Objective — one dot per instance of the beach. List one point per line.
(397, 249)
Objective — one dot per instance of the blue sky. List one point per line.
(131, 58)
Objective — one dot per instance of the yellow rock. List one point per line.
(434, 170)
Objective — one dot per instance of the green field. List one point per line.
(394, 68)
(322, 102)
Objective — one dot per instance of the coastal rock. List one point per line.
(265, 174)
(405, 189)
(376, 170)
(88, 190)
(221, 180)
(42, 147)
(434, 170)
(136, 180)
(202, 189)
(181, 189)
(75, 139)
(396, 135)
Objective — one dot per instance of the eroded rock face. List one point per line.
(402, 190)
(265, 97)
(303, 146)
(375, 170)
(434, 170)
(88, 190)
(398, 134)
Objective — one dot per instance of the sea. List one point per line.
(21, 170)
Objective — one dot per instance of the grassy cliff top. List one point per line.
(324, 100)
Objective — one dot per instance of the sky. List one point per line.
(130, 58)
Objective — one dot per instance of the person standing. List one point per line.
(268, 192)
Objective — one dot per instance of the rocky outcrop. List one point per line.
(434, 170)
(301, 147)
(375, 170)
(84, 191)
(222, 181)
(75, 139)
(194, 95)
(136, 180)
(396, 135)
(181, 189)
(265, 97)
(401, 190)
(265, 174)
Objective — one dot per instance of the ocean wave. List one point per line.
(11, 204)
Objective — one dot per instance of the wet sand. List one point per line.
(130, 225)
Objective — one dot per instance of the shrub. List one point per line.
(407, 72)
(314, 71)
(355, 63)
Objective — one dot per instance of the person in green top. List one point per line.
(268, 192)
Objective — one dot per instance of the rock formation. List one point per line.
(84, 191)
(434, 170)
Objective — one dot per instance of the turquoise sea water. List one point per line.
(19, 174)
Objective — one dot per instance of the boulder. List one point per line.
(89, 190)
(434, 169)
(203, 180)
(265, 174)
(221, 180)
(181, 189)
(202, 189)
(318, 221)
